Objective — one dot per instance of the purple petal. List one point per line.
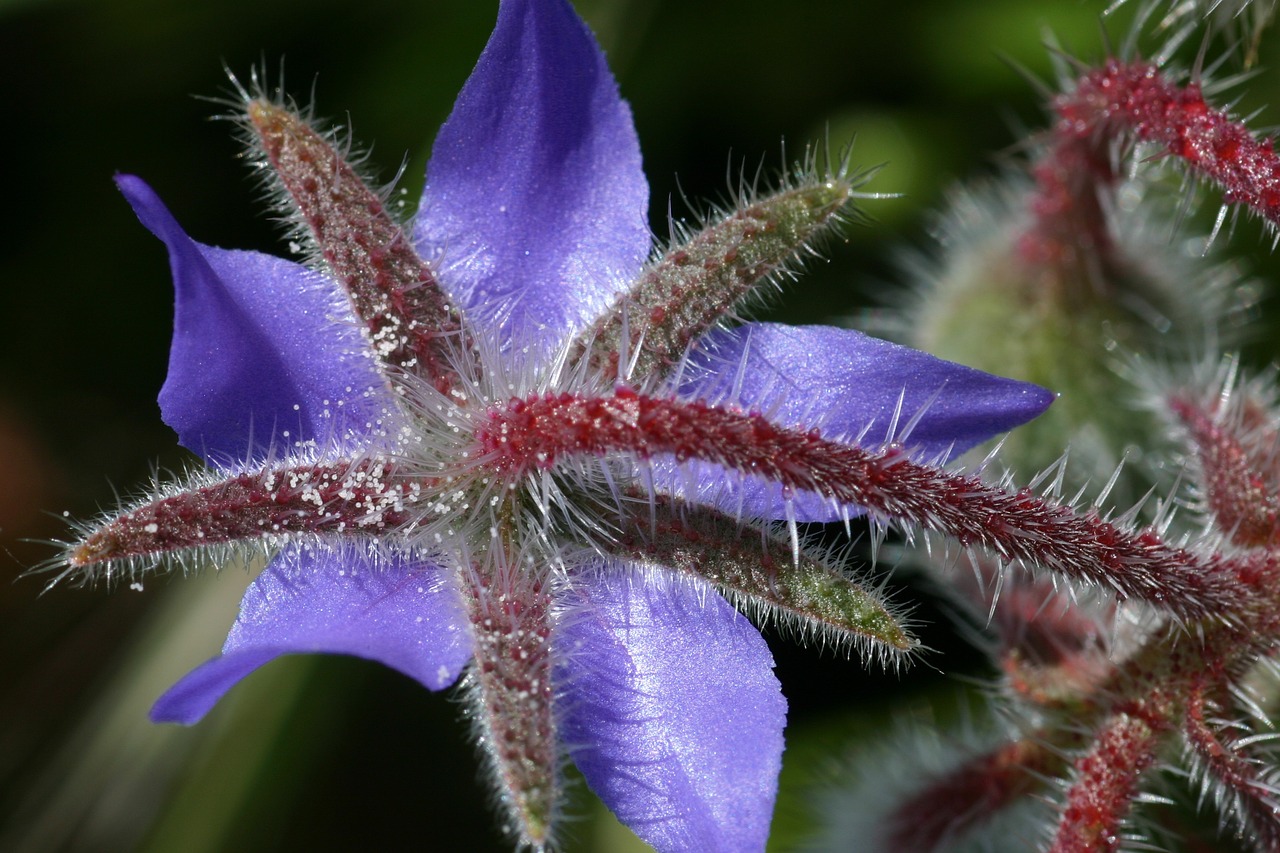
(672, 712)
(258, 358)
(535, 197)
(844, 383)
(403, 615)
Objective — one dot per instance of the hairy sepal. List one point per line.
(767, 576)
(613, 510)
(708, 274)
(410, 321)
(353, 498)
(530, 435)
(510, 690)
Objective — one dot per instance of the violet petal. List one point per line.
(672, 712)
(257, 352)
(843, 382)
(400, 614)
(535, 198)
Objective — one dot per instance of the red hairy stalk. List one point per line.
(1256, 801)
(336, 498)
(533, 433)
(1030, 618)
(1136, 101)
(1051, 648)
(409, 319)
(1106, 783)
(1244, 504)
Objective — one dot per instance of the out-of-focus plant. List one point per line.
(1114, 721)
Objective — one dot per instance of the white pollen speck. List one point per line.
(151, 528)
(136, 586)
(443, 673)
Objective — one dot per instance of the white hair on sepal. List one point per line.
(339, 137)
(658, 283)
(194, 556)
(498, 575)
(842, 642)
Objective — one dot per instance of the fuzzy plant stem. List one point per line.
(1105, 785)
(1130, 102)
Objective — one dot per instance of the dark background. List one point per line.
(339, 754)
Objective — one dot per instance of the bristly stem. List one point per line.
(1257, 804)
(1136, 101)
(1106, 783)
(532, 433)
(971, 793)
(1243, 503)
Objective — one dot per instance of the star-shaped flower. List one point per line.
(511, 446)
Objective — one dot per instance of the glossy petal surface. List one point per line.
(259, 347)
(535, 199)
(404, 616)
(672, 712)
(846, 383)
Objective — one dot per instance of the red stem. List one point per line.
(1243, 503)
(971, 794)
(1231, 768)
(1106, 783)
(1124, 101)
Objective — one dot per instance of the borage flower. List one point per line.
(507, 445)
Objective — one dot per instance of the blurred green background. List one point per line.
(338, 754)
